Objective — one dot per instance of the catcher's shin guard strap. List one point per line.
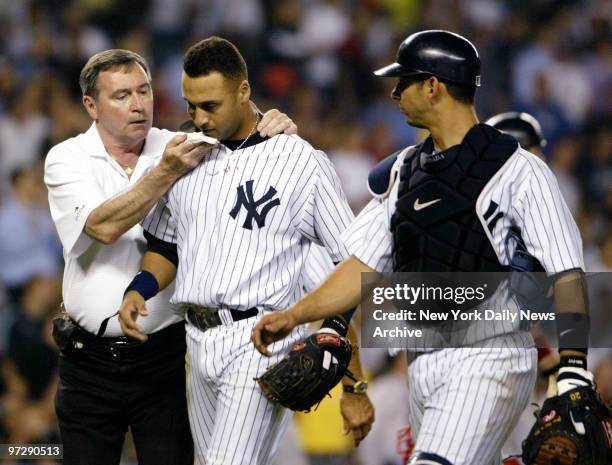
(427, 458)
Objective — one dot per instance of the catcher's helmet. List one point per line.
(444, 54)
(522, 126)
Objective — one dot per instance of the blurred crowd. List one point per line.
(313, 59)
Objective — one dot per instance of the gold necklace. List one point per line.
(128, 169)
(250, 133)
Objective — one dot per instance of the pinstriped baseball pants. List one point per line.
(465, 402)
(232, 423)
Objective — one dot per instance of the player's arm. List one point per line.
(111, 219)
(559, 250)
(573, 328)
(355, 407)
(114, 217)
(157, 271)
(340, 292)
(369, 241)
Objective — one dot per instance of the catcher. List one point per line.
(465, 400)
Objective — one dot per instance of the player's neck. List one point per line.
(450, 127)
(247, 128)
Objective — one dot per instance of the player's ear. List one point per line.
(244, 91)
(432, 88)
(90, 105)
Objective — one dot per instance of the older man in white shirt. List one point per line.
(101, 185)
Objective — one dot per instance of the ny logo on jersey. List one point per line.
(245, 198)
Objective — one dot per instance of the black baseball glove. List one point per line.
(574, 428)
(308, 372)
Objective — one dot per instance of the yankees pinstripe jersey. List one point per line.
(243, 222)
(523, 194)
(318, 266)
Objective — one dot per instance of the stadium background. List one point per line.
(313, 59)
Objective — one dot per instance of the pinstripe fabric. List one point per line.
(246, 223)
(527, 194)
(318, 265)
(465, 402)
(231, 421)
(222, 264)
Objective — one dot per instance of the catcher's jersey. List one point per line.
(244, 220)
(523, 194)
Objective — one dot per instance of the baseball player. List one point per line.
(448, 204)
(235, 232)
(523, 127)
(101, 184)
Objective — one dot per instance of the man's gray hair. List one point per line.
(102, 61)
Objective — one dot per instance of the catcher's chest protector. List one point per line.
(435, 226)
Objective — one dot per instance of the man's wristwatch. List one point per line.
(360, 387)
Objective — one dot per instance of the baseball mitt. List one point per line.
(574, 428)
(308, 372)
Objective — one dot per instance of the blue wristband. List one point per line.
(145, 284)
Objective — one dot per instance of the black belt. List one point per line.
(205, 318)
(123, 346)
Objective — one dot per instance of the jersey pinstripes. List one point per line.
(231, 430)
(464, 402)
(231, 421)
(527, 196)
(368, 237)
(222, 264)
(246, 224)
(318, 265)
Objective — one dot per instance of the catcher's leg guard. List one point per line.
(426, 458)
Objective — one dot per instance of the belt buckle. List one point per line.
(210, 318)
(203, 318)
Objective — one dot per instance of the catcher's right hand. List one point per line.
(271, 328)
(308, 372)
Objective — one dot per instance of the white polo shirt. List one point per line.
(80, 175)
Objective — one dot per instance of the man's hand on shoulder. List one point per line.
(275, 122)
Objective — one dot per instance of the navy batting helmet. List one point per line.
(522, 126)
(444, 54)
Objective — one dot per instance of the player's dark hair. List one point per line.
(464, 94)
(215, 54)
(461, 93)
(103, 61)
